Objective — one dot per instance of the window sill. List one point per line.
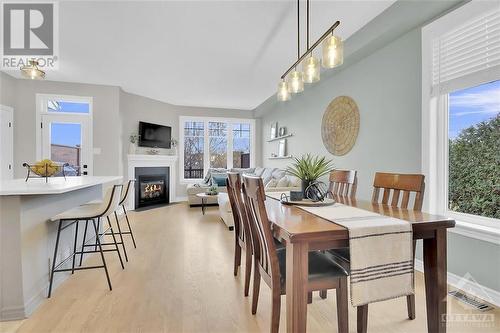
(477, 231)
(190, 181)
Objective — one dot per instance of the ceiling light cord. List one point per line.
(298, 29)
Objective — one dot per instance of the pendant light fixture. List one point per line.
(283, 94)
(32, 71)
(310, 66)
(333, 52)
(292, 81)
(296, 78)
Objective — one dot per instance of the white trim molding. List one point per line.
(468, 285)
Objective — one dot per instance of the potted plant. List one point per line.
(309, 168)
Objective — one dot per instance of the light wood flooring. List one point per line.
(179, 279)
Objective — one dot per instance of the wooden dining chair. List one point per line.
(343, 183)
(270, 262)
(242, 235)
(396, 190)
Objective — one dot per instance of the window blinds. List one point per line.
(469, 53)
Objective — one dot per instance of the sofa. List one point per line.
(274, 179)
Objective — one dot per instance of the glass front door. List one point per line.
(66, 140)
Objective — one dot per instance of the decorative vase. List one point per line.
(131, 148)
(305, 185)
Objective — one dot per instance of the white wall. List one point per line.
(106, 121)
(134, 108)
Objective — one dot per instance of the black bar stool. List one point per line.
(88, 213)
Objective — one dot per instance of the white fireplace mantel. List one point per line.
(144, 161)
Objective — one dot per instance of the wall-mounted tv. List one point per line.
(155, 136)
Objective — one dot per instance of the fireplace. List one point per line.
(152, 186)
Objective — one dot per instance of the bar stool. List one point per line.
(88, 213)
(128, 187)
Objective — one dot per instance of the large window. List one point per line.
(461, 118)
(474, 150)
(215, 143)
(194, 139)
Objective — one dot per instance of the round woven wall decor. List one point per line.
(340, 125)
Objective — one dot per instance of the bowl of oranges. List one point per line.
(44, 168)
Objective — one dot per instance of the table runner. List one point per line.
(381, 250)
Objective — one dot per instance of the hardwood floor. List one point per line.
(180, 279)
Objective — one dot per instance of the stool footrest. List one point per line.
(77, 268)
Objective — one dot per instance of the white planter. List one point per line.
(132, 148)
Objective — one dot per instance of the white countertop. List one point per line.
(56, 185)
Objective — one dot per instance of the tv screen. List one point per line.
(155, 136)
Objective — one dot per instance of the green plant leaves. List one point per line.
(309, 167)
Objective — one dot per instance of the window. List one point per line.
(460, 118)
(241, 145)
(217, 133)
(473, 150)
(67, 107)
(194, 139)
(64, 133)
(215, 143)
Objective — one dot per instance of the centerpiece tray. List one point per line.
(309, 202)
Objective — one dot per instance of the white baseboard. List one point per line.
(180, 199)
(12, 313)
(468, 285)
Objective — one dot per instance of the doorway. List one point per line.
(66, 132)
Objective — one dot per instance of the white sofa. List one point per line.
(225, 211)
(274, 180)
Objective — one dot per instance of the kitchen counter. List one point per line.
(27, 236)
(56, 185)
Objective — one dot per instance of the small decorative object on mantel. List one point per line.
(340, 125)
(273, 155)
(274, 130)
(153, 151)
(45, 169)
(309, 169)
(132, 147)
(282, 131)
(173, 144)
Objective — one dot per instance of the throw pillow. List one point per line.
(283, 182)
(271, 184)
(219, 180)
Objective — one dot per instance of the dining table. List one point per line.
(302, 232)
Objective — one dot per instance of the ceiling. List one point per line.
(227, 54)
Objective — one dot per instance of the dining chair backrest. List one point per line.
(111, 200)
(128, 187)
(241, 224)
(265, 249)
(343, 183)
(399, 183)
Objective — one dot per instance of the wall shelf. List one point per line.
(280, 157)
(280, 137)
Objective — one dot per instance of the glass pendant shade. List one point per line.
(32, 71)
(333, 52)
(283, 94)
(295, 82)
(311, 69)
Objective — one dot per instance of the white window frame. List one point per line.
(206, 157)
(42, 109)
(435, 131)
